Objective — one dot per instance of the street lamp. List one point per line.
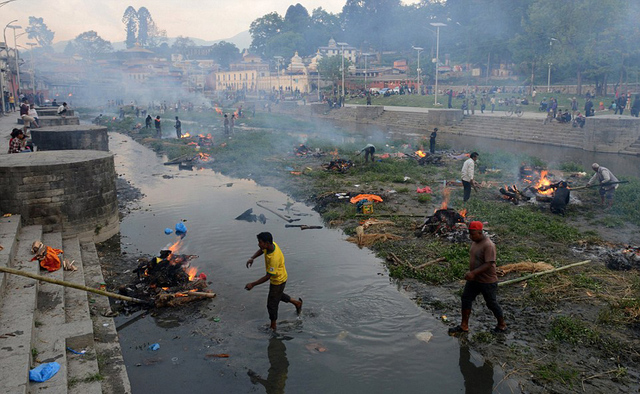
(278, 60)
(342, 44)
(437, 25)
(551, 40)
(15, 45)
(419, 50)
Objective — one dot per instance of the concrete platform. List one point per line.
(71, 137)
(55, 120)
(52, 111)
(73, 192)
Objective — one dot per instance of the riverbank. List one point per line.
(567, 330)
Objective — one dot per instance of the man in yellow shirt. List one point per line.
(276, 274)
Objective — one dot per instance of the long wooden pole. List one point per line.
(594, 185)
(275, 213)
(73, 285)
(508, 282)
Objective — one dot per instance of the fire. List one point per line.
(420, 153)
(463, 213)
(218, 110)
(186, 135)
(446, 192)
(201, 135)
(203, 156)
(543, 184)
(192, 272)
(334, 152)
(176, 246)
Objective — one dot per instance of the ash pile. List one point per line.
(624, 259)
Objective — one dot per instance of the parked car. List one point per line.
(374, 91)
(396, 90)
(385, 92)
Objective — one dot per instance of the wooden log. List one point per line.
(511, 281)
(72, 285)
(594, 185)
(432, 262)
(289, 220)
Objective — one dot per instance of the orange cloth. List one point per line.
(370, 197)
(50, 261)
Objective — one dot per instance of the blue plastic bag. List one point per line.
(44, 372)
(154, 347)
(181, 228)
(168, 231)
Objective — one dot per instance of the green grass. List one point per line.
(551, 372)
(571, 330)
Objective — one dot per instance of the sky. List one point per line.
(206, 19)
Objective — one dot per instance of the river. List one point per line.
(357, 332)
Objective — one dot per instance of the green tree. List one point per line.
(181, 44)
(296, 19)
(372, 21)
(38, 30)
(130, 19)
(90, 45)
(284, 44)
(149, 35)
(224, 53)
(331, 68)
(263, 29)
(322, 26)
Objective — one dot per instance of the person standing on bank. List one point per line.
(178, 127)
(468, 170)
(158, 125)
(368, 150)
(481, 279)
(276, 275)
(606, 178)
(432, 140)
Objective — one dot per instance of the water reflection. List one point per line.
(278, 368)
(477, 380)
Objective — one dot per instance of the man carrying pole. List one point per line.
(608, 183)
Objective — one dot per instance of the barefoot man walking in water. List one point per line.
(276, 274)
(481, 279)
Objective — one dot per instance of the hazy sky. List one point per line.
(205, 19)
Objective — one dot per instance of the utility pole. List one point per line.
(437, 25)
(419, 80)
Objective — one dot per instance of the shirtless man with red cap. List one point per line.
(481, 279)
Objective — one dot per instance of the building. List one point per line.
(333, 49)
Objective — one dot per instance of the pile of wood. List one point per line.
(513, 194)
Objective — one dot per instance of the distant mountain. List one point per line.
(241, 40)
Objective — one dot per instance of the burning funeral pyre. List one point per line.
(169, 279)
(424, 158)
(624, 259)
(537, 185)
(339, 165)
(446, 222)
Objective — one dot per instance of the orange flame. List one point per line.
(218, 110)
(543, 182)
(192, 272)
(420, 153)
(203, 156)
(463, 213)
(446, 192)
(186, 135)
(334, 152)
(176, 246)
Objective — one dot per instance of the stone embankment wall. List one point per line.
(601, 134)
(71, 137)
(69, 191)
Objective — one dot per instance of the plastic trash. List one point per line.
(75, 351)
(425, 189)
(44, 372)
(181, 228)
(216, 319)
(424, 336)
(154, 347)
(168, 231)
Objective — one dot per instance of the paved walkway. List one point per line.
(7, 123)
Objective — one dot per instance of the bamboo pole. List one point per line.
(590, 186)
(276, 213)
(511, 281)
(73, 285)
(198, 293)
(432, 262)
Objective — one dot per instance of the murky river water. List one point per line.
(357, 332)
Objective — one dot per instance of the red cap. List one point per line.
(475, 225)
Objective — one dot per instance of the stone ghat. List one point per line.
(46, 121)
(71, 137)
(71, 191)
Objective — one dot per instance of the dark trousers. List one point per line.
(367, 152)
(467, 190)
(179, 132)
(276, 294)
(488, 291)
(432, 146)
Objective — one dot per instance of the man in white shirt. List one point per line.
(606, 179)
(62, 110)
(468, 169)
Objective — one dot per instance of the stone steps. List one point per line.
(46, 121)
(105, 335)
(17, 316)
(9, 228)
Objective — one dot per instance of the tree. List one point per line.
(322, 26)
(371, 20)
(130, 19)
(264, 28)
(330, 68)
(284, 44)
(224, 53)
(90, 45)
(38, 30)
(296, 19)
(181, 45)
